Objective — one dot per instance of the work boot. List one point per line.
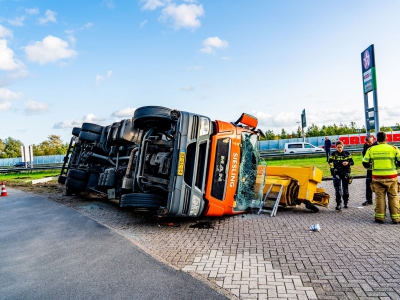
(367, 202)
(345, 205)
(338, 207)
(379, 221)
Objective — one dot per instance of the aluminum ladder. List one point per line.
(270, 204)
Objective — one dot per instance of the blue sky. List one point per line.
(67, 62)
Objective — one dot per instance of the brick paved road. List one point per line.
(257, 257)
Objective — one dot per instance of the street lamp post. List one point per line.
(302, 130)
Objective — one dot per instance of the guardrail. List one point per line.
(19, 170)
(279, 153)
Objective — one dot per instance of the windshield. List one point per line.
(249, 157)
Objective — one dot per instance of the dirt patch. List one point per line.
(51, 187)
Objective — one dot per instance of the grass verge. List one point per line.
(319, 162)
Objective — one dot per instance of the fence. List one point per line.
(318, 141)
(37, 160)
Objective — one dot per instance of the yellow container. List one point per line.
(307, 179)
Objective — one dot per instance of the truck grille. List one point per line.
(186, 199)
(195, 127)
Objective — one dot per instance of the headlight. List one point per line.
(195, 206)
(204, 126)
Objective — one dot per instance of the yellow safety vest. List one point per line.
(383, 158)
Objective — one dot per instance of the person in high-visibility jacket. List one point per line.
(384, 160)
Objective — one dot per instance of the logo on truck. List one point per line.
(232, 180)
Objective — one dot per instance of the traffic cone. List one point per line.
(3, 189)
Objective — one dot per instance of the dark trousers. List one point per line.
(328, 153)
(368, 191)
(341, 185)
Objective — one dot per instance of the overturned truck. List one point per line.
(175, 163)
(178, 163)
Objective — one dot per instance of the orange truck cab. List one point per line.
(232, 172)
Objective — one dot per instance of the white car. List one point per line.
(301, 147)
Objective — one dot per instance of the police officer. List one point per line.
(369, 142)
(384, 160)
(340, 162)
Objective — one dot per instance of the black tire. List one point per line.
(112, 135)
(142, 201)
(94, 128)
(152, 115)
(61, 179)
(312, 207)
(89, 136)
(75, 185)
(76, 131)
(77, 174)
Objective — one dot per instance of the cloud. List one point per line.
(4, 105)
(32, 11)
(35, 108)
(194, 68)
(212, 43)
(4, 32)
(143, 23)
(89, 118)
(182, 16)
(6, 95)
(19, 21)
(72, 39)
(187, 89)
(282, 118)
(153, 4)
(50, 50)
(87, 26)
(126, 112)
(100, 78)
(289, 120)
(108, 3)
(50, 16)
(7, 61)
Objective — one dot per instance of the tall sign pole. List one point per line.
(369, 84)
(303, 123)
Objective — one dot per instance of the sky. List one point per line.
(66, 62)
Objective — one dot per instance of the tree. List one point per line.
(52, 146)
(2, 147)
(283, 134)
(12, 148)
(313, 130)
(270, 135)
(386, 129)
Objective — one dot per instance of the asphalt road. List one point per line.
(49, 251)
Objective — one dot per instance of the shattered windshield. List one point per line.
(247, 172)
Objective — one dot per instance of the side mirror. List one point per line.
(248, 120)
(260, 132)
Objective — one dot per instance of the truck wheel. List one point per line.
(77, 174)
(75, 185)
(152, 115)
(92, 128)
(76, 131)
(61, 179)
(312, 207)
(89, 136)
(142, 201)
